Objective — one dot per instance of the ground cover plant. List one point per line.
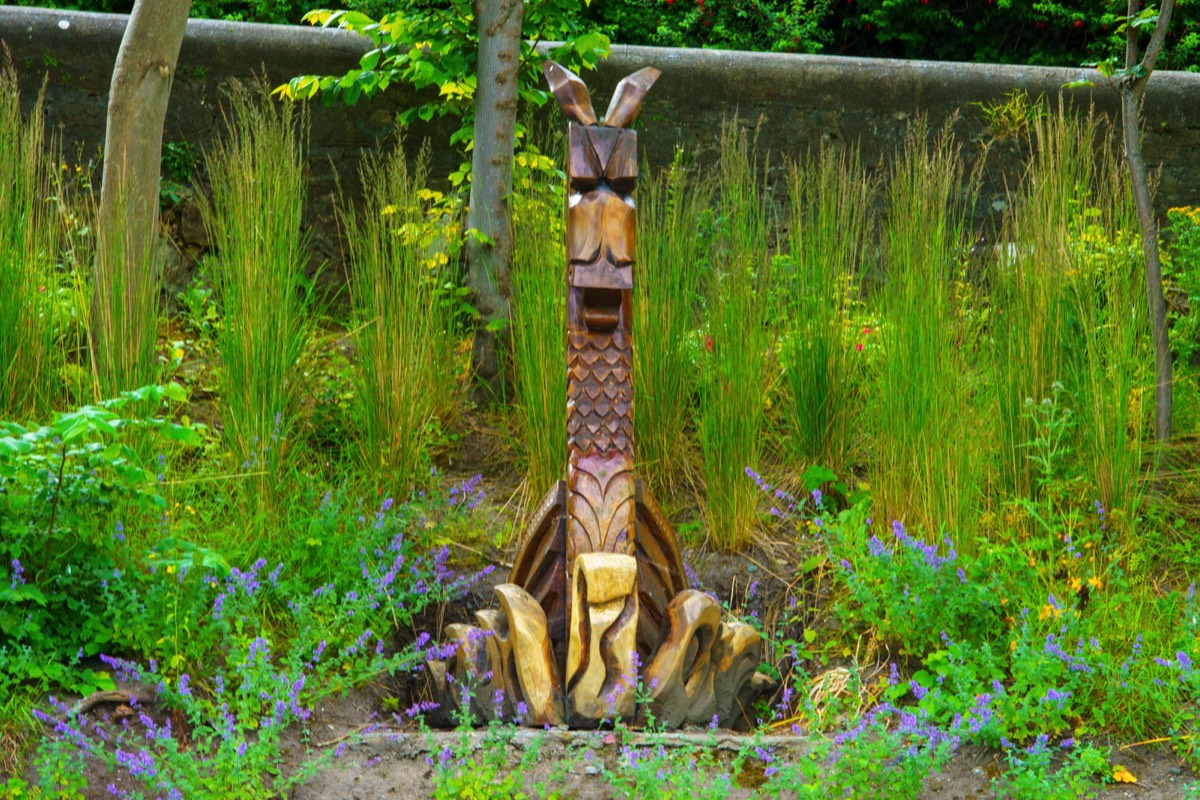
(982, 547)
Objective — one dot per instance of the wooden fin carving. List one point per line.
(680, 675)
(627, 98)
(531, 674)
(571, 93)
(601, 669)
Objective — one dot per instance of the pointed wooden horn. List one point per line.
(571, 92)
(627, 98)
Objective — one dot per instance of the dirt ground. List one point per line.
(391, 762)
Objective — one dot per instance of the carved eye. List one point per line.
(583, 185)
(623, 185)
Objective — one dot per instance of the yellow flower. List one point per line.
(170, 569)
(1095, 583)
(1074, 584)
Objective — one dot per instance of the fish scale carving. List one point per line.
(599, 392)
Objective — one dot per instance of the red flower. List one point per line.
(1078, 23)
(708, 343)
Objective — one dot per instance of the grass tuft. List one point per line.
(398, 263)
(830, 231)
(30, 357)
(254, 221)
(666, 286)
(734, 372)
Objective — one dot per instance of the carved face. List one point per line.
(601, 221)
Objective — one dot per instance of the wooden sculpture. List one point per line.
(598, 600)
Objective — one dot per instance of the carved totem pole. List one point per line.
(598, 600)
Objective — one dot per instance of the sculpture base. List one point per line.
(704, 670)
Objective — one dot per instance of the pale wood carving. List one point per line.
(598, 587)
(602, 674)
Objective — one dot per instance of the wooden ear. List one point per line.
(571, 93)
(627, 98)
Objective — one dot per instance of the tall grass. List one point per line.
(1109, 370)
(539, 338)
(1068, 309)
(928, 449)
(29, 239)
(405, 349)
(254, 220)
(1029, 287)
(666, 287)
(734, 374)
(123, 322)
(829, 232)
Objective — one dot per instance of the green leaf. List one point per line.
(175, 392)
(371, 60)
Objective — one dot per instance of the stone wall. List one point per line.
(797, 102)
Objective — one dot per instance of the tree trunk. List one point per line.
(490, 254)
(1154, 289)
(1132, 88)
(128, 218)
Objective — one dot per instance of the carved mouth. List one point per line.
(601, 309)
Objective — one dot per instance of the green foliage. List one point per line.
(929, 460)
(254, 219)
(1183, 274)
(539, 312)
(401, 248)
(434, 46)
(1013, 116)
(1033, 772)
(821, 279)
(672, 209)
(460, 773)
(1054, 33)
(60, 485)
(31, 353)
(240, 672)
(1110, 359)
(734, 375)
(913, 593)
(782, 26)
(178, 166)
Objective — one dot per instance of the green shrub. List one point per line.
(539, 324)
(929, 442)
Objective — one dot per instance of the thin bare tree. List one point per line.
(128, 216)
(1131, 84)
